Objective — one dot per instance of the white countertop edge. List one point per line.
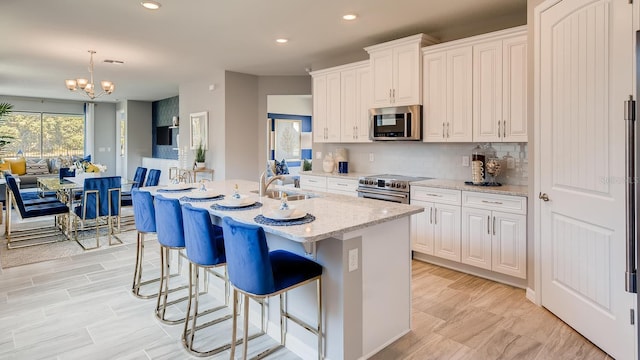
(514, 190)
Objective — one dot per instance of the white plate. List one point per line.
(243, 203)
(273, 215)
(197, 194)
(180, 186)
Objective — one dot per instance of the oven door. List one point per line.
(397, 197)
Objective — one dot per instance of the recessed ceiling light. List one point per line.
(151, 5)
(350, 17)
(282, 41)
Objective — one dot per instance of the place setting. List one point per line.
(202, 195)
(177, 187)
(236, 202)
(284, 215)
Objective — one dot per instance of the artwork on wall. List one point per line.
(287, 139)
(198, 129)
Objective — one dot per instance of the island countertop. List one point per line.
(335, 214)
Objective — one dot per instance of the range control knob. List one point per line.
(404, 186)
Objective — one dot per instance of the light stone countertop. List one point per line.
(516, 190)
(335, 214)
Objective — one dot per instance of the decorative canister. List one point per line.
(477, 165)
(328, 164)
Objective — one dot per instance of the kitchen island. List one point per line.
(364, 248)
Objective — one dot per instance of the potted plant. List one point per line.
(199, 159)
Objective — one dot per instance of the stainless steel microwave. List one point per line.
(396, 123)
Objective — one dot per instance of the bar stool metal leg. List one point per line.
(164, 290)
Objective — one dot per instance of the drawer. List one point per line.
(342, 184)
(315, 182)
(505, 203)
(437, 195)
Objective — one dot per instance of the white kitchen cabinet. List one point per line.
(436, 231)
(396, 71)
(313, 183)
(448, 95)
(342, 186)
(500, 90)
(494, 232)
(338, 106)
(326, 107)
(355, 104)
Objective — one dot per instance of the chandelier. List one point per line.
(87, 85)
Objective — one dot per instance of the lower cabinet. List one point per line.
(487, 231)
(342, 186)
(313, 183)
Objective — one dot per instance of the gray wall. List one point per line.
(104, 137)
(138, 134)
(241, 135)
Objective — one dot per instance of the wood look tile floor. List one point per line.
(460, 316)
(80, 307)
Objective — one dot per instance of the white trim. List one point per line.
(530, 294)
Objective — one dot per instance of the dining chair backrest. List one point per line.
(203, 239)
(15, 190)
(153, 178)
(105, 190)
(65, 172)
(138, 178)
(144, 214)
(247, 256)
(169, 225)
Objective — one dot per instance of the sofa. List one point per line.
(29, 170)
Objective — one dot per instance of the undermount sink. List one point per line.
(277, 194)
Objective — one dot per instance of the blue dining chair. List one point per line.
(144, 214)
(153, 178)
(258, 273)
(29, 209)
(170, 230)
(205, 249)
(99, 207)
(138, 181)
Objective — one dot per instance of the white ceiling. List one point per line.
(46, 41)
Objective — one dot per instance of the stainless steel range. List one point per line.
(386, 187)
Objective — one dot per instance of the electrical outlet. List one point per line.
(465, 161)
(353, 259)
(318, 155)
(371, 158)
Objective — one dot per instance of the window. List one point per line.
(44, 135)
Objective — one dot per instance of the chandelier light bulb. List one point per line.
(87, 84)
(82, 83)
(71, 84)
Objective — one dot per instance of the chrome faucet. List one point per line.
(264, 183)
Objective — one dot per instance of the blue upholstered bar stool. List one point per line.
(258, 273)
(153, 178)
(205, 249)
(144, 214)
(170, 232)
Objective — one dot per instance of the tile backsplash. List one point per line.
(443, 161)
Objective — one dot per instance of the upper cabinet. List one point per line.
(396, 71)
(475, 89)
(341, 101)
(500, 90)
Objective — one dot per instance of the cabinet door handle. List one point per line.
(492, 202)
(430, 215)
(390, 98)
(394, 96)
(435, 216)
(434, 195)
(443, 129)
(494, 225)
(498, 129)
(504, 129)
(488, 225)
(448, 136)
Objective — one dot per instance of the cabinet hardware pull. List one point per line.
(435, 217)
(430, 215)
(394, 96)
(543, 196)
(390, 98)
(504, 129)
(340, 184)
(498, 129)
(492, 202)
(448, 136)
(494, 225)
(436, 195)
(488, 225)
(443, 129)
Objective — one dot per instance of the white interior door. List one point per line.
(584, 68)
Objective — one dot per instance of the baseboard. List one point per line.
(531, 295)
(391, 341)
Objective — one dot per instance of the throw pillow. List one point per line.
(18, 165)
(34, 167)
(281, 167)
(5, 166)
(271, 168)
